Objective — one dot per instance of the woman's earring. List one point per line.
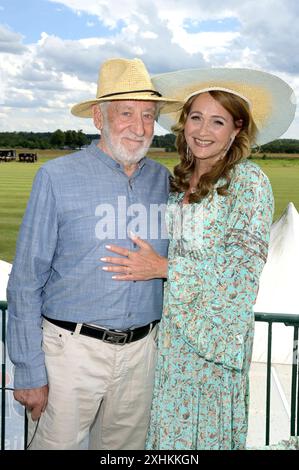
(189, 156)
(229, 144)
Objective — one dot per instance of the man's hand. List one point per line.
(34, 399)
(140, 265)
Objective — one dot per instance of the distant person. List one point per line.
(82, 345)
(219, 218)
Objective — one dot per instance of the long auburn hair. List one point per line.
(239, 150)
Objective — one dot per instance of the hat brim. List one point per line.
(272, 101)
(84, 109)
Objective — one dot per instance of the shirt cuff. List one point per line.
(29, 377)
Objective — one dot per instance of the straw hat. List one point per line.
(271, 100)
(123, 79)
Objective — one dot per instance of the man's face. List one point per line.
(127, 130)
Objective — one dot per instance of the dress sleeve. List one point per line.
(215, 312)
(30, 272)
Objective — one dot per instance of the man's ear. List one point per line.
(97, 116)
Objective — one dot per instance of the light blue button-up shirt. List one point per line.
(80, 203)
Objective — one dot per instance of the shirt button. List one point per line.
(130, 314)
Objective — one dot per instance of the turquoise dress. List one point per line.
(218, 248)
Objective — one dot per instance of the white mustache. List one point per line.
(134, 139)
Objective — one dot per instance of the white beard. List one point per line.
(121, 154)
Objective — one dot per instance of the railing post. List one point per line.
(268, 391)
(297, 357)
(295, 386)
(3, 307)
(25, 430)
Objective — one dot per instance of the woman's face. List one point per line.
(209, 128)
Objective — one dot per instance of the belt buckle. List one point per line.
(117, 337)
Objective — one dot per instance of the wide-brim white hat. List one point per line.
(123, 79)
(272, 101)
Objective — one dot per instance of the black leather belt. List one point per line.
(108, 336)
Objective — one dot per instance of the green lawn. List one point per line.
(16, 180)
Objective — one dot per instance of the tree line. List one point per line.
(44, 140)
(280, 146)
(72, 139)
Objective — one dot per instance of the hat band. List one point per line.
(218, 88)
(153, 92)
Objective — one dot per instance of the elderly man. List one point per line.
(83, 345)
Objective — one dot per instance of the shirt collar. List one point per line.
(105, 158)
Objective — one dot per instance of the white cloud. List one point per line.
(82, 57)
(209, 43)
(265, 26)
(148, 35)
(10, 41)
(2, 87)
(49, 76)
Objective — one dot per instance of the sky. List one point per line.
(51, 50)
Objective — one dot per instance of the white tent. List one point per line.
(278, 292)
(5, 269)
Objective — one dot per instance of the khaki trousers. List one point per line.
(97, 391)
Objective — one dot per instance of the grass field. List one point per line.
(16, 180)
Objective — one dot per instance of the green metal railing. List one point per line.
(4, 388)
(3, 308)
(288, 320)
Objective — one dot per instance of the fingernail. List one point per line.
(103, 259)
(132, 234)
(114, 277)
(108, 246)
(104, 268)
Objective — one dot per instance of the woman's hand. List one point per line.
(140, 265)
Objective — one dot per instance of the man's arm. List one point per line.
(31, 270)
(140, 265)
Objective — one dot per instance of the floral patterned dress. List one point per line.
(218, 248)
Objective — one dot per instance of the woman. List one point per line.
(219, 217)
